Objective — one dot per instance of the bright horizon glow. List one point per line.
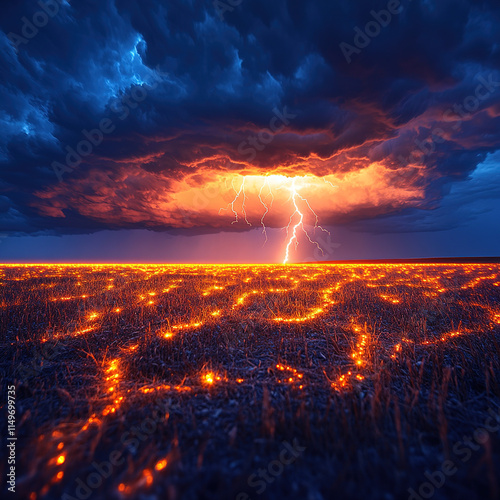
(381, 262)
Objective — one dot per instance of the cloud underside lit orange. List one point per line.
(232, 200)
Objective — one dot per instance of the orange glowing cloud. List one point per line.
(231, 200)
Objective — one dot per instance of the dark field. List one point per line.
(252, 382)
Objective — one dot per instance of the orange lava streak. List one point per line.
(359, 357)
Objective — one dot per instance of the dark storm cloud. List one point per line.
(181, 91)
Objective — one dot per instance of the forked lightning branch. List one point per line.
(299, 208)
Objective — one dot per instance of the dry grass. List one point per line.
(377, 370)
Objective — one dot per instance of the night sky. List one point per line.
(129, 127)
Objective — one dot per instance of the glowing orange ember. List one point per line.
(161, 464)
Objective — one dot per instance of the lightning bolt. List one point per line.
(295, 197)
(300, 224)
(262, 201)
(240, 192)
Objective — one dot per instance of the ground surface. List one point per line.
(308, 382)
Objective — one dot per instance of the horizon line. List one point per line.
(426, 260)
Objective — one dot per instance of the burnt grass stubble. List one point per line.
(374, 439)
